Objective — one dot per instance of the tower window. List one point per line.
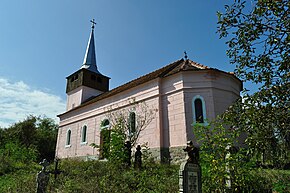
(93, 77)
(199, 110)
(75, 77)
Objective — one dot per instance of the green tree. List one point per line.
(259, 41)
(224, 164)
(132, 126)
(126, 124)
(39, 133)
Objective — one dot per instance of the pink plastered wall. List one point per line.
(92, 116)
(171, 97)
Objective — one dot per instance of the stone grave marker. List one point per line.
(190, 171)
(189, 178)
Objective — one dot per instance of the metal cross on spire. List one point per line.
(185, 55)
(93, 23)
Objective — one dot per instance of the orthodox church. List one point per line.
(181, 93)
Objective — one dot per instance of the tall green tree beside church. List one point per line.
(258, 39)
(27, 141)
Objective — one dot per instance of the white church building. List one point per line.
(181, 93)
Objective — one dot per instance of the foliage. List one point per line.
(125, 125)
(121, 119)
(221, 160)
(27, 141)
(97, 176)
(228, 168)
(259, 41)
(267, 129)
(278, 180)
(14, 156)
(117, 146)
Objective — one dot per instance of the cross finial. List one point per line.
(185, 55)
(93, 23)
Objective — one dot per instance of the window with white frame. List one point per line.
(84, 134)
(68, 138)
(132, 123)
(198, 109)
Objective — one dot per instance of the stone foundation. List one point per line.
(173, 155)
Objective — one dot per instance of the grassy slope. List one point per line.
(94, 176)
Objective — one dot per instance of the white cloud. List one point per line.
(18, 100)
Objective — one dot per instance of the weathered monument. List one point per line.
(42, 177)
(190, 171)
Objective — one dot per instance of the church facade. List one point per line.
(180, 94)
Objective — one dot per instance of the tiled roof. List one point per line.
(170, 69)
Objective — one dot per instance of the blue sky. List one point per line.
(42, 42)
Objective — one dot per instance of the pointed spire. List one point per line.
(90, 56)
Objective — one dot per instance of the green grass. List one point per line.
(95, 176)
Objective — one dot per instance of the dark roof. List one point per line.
(170, 69)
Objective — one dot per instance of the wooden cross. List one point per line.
(93, 23)
(56, 171)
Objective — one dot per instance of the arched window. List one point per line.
(68, 138)
(132, 123)
(84, 134)
(105, 124)
(105, 137)
(198, 109)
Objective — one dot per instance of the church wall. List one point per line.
(139, 93)
(170, 96)
(92, 115)
(219, 90)
(74, 97)
(173, 111)
(225, 93)
(197, 84)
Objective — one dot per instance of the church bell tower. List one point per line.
(87, 82)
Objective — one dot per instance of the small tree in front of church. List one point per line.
(126, 125)
(133, 120)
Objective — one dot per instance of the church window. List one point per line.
(105, 137)
(132, 123)
(105, 124)
(199, 110)
(68, 138)
(84, 134)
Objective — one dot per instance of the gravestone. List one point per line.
(42, 177)
(128, 153)
(189, 178)
(190, 171)
(138, 158)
